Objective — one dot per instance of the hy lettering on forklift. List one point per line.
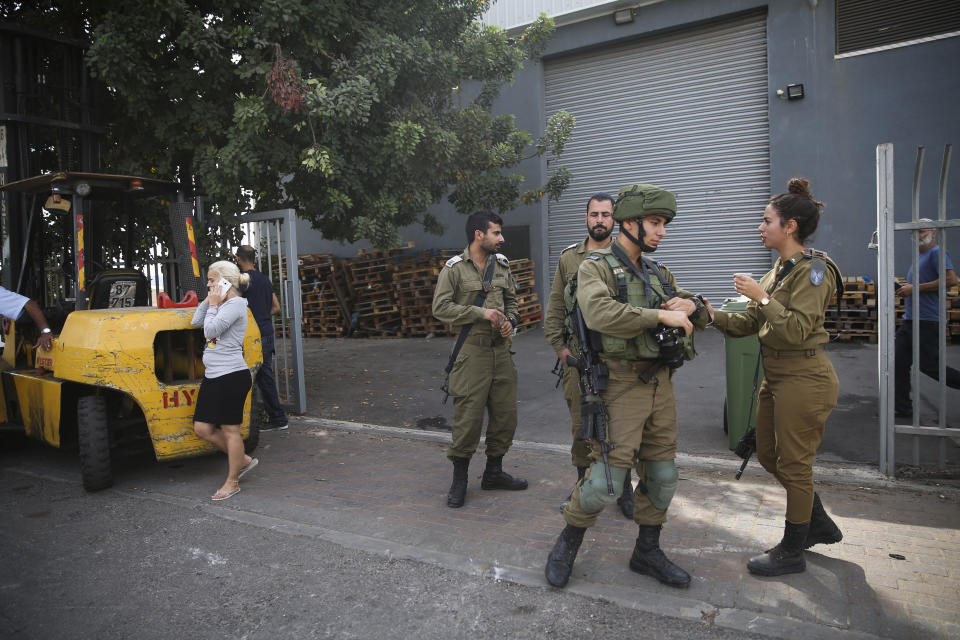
(178, 396)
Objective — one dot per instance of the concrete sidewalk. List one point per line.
(383, 490)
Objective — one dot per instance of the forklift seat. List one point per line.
(113, 288)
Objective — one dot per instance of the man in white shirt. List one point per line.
(13, 306)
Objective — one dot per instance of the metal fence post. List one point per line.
(885, 302)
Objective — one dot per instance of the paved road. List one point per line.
(342, 531)
(396, 382)
(130, 564)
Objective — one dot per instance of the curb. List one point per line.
(836, 473)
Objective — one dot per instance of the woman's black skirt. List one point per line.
(220, 400)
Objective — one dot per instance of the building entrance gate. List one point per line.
(274, 235)
(886, 227)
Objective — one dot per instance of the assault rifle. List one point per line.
(746, 447)
(593, 380)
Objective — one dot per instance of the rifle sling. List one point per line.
(641, 272)
(481, 298)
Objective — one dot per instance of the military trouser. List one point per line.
(642, 429)
(799, 391)
(483, 379)
(580, 449)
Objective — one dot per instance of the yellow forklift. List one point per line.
(125, 365)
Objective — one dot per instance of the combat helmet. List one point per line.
(640, 200)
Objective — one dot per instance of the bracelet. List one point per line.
(45, 330)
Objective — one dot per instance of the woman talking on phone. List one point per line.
(799, 389)
(226, 380)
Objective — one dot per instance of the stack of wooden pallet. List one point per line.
(858, 312)
(414, 280)
(375, 305)
(531, 312)
(325, 296)
(389, 293)
(858, 315)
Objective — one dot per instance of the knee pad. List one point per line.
(593, 491)
(661, 482)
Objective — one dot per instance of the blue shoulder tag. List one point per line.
(818, 269)
(593, 257)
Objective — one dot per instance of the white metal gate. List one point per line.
(885, 266)
(274, 235)
(687, 111)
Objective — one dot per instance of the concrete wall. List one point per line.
(908, 96)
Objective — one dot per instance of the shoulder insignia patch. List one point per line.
(818, 269)
(454, 260)
(502, 259)
(593, 257)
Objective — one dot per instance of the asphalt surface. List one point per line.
(342, 531)
(397, 382)
(126, 563)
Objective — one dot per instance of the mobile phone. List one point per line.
(224, 287)
(897, 285)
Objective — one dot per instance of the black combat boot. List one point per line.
(458, 490)
(494, 477)
(648, 558)
(560, 560)
(823, 530)
(626, 498)
(786, 557)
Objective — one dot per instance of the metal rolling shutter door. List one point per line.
(686, 111)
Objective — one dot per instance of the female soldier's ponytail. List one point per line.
(798, 204)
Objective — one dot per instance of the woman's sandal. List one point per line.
(253, 463)
(223, 495)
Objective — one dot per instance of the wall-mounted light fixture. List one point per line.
(623, 16)
(794, 91)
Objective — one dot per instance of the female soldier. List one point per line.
(226, 380)
(800, 386)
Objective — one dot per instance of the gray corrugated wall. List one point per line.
(686, 111)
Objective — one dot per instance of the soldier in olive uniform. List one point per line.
(599, 228)
(483, 378)
(800, 387)
(622, 297)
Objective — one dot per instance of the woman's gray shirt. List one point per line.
(224, 328)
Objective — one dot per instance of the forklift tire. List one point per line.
(94, 440)
(256, 419)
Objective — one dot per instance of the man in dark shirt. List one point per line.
(263, 304)
(929, 291)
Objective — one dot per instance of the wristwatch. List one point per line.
(700, 306)
(46, 330)
(764, 301)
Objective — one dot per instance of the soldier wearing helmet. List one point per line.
(629, 302)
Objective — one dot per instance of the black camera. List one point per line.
(671, 349)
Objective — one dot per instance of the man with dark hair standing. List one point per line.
(599, 229)
(629, 301)
(476, 295)
(263, 305)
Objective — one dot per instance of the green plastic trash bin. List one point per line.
(741, 360)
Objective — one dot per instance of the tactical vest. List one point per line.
(633, 291)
